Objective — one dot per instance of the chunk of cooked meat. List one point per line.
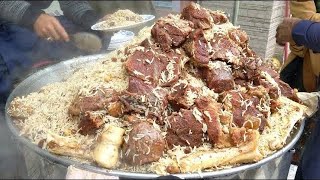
(244, 109)
(151, 105)
(258, 91)
(184, 129)
(287, 91)
(197, 47)
(269, 70)
(237, 135)
(211, 111)
(218, 17)
(99, 100)
(115, 109)
(170, 31)
(248, 52)
(248, 69)
(199, 16)
(274, 91)
(218, 76)
(90, 122)
(137, 85)
(145, 145)
(182, 95)
(267, 78)
(144, 65)
(275, 105)
(239, 37)
(224, 49)
(154, 67)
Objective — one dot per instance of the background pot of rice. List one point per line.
(42, 164)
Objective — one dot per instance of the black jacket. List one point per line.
(25, 13)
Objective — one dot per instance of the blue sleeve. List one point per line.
(307, 33)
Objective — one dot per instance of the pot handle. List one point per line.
(292, 151)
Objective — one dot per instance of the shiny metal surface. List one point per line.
(99, 26)
(53, 166)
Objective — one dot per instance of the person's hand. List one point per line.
(284, 30)
(49, 27)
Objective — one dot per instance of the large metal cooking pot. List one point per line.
(42, 164)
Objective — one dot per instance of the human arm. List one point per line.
(79, 12)
(302, 32)
(307, 33)
(33, 18)
(19, 12)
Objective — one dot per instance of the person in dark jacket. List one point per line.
(304, 33)
(28, 34)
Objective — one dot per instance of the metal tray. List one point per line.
(61, 71)
(99, 26)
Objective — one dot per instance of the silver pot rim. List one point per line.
(81, 61)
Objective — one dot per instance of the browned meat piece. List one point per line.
(133, 102)
(194, 70)
(239, 73)
(273, 91)
(139, 86)
(115, 109)
(144, 65)
(248, 69)
(237, 135)
(161, 36)
(197, 47)
(248, 52)
(240, 82)
(218, 77)
(250, 66)
(211, 110)
(258, 91)
(151, 105)
(269, 70)
(200, 17)
(100, 99)
(239, 37)
(153, 68)
(170, 74)
(90, 122)
(218, 17)
(147, 43)
(184, 129)
(182, 96)
(145, 145)
(278, 87)
(244, 108)
(274, 105)
(224, 49)
(287, 91)
(170, 31)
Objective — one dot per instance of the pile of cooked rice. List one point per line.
(121, 18)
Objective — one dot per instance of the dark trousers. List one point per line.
(292, 74)
(309, 167)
